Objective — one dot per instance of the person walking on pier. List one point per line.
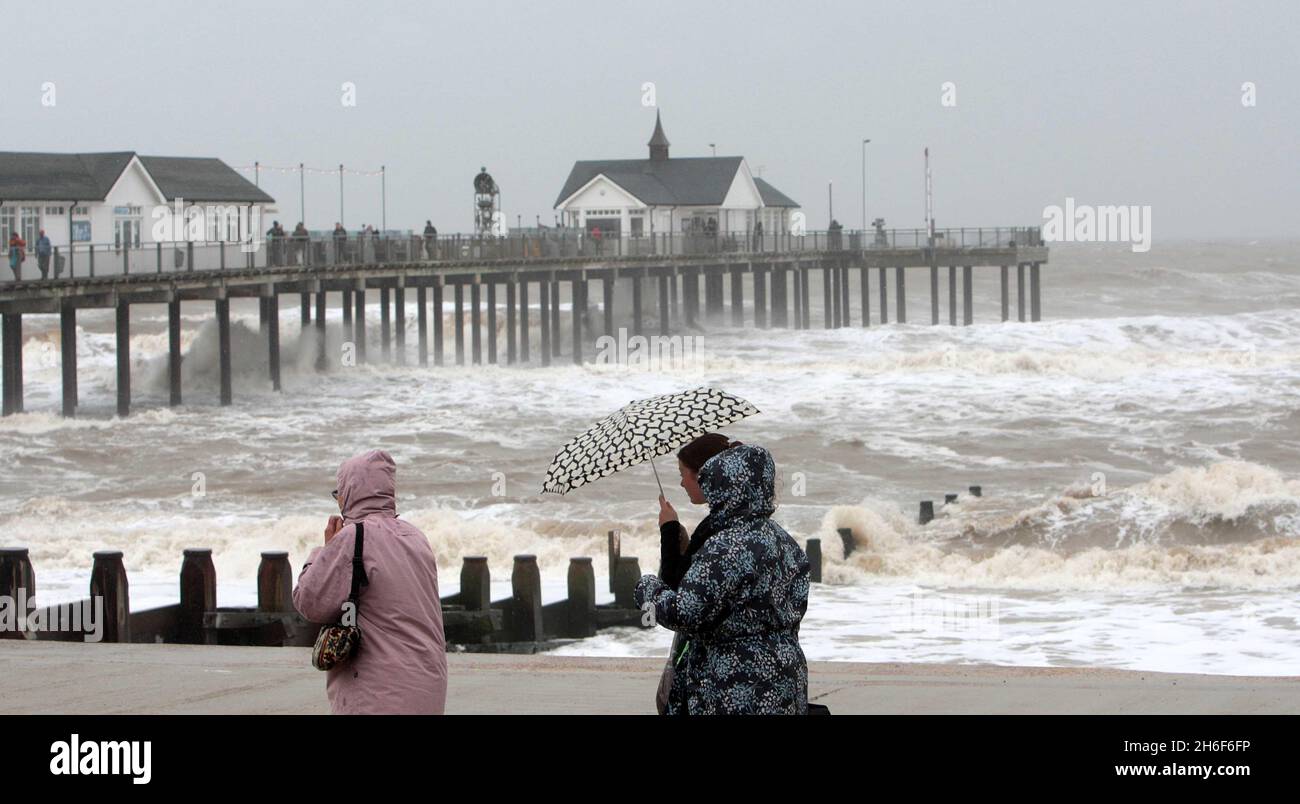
(740, 602)
(400, 666)
(17, 254)
(43, 251)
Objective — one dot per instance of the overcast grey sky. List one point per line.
(1108, 102)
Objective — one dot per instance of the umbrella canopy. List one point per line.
(642, 431)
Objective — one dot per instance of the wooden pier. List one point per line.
(665, 279)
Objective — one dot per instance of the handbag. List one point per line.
(337, 643)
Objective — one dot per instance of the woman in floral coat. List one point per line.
(740, 604)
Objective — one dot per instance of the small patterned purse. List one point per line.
(335, 644)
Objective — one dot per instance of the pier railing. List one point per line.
(104, 259)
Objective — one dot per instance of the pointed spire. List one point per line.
(658, 142)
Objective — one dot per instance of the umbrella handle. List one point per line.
(656, 471)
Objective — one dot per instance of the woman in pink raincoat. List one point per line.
(401, 665)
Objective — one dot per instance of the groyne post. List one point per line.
(582, 598)
(274, 582)
(108, 582)
(526, 601)
(475, 584)
(198, 594)
(813, 550)
(68, 355)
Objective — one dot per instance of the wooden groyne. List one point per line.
(520, 623)
(502, 277)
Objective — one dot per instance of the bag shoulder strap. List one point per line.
(359, 578)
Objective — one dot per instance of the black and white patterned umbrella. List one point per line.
(640, 432)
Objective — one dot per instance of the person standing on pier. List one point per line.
(740, 602)
(430, 239)
(400, 666)
(300, 238)
(17, 254)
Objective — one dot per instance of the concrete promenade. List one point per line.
(69, 678)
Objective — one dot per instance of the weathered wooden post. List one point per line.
(476, 322)
(123, 332)
(274, 582)
(828, 298)
(976, 491)
(491, 322)
(665, 320)
(1006, 293)
(304, 301)
(108, 584)
(578, 290)
(638, 314)
(526, 601)
(68, 363)
(475, 584)
(1035, 299)
(321, 357)
(607, 300)
(864, 280)
(614, 552)
(927, 512)
(884, 294)
(952, 295)
(949, 498)
(846, 316)
(421, 323)
(797, 295)
(16, 574)
(198, 594)
(399, 322)
(738, 296)
(544, 300)
(846, 537)
(807, 297)
(626, 574)
(780, 304)
(272, 341)
(582, 598)
(900, 301)
(223, 348)
(967, 300)
(385, 325)
(555, 317)
(934, 295)
(1020, 290)
(760, 295)
(458, 322)
(512, 337)
(359, 320)
(814, 552)
(12, 333)
(437, 321)
(524, 334)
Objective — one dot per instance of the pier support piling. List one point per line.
(399, 324)
(665, 319)
(13, 363)
(967, 301)
(1020, 291)
(884, 295)
(436, 312)
(422, 323)
(578, 291)
(738, 296)
(952, 295)
(934, 295)
(544, 299)
(1035, 299)
(760, 296)
(475, 323)
(322, 360)
(174, 348)
(900, 296)
(223, 349)
(458, 323)
(123, 333)
(1006, 292)
(512, 319)
(272, 342)
(492, 323)
(524, 333)
(359, 322)
(68, 363)
(638, 311)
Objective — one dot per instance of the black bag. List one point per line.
(335, 644)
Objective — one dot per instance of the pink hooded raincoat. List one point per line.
(401, 666)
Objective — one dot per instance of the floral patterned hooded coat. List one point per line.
(741, 601)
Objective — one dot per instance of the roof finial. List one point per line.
(658, 142)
